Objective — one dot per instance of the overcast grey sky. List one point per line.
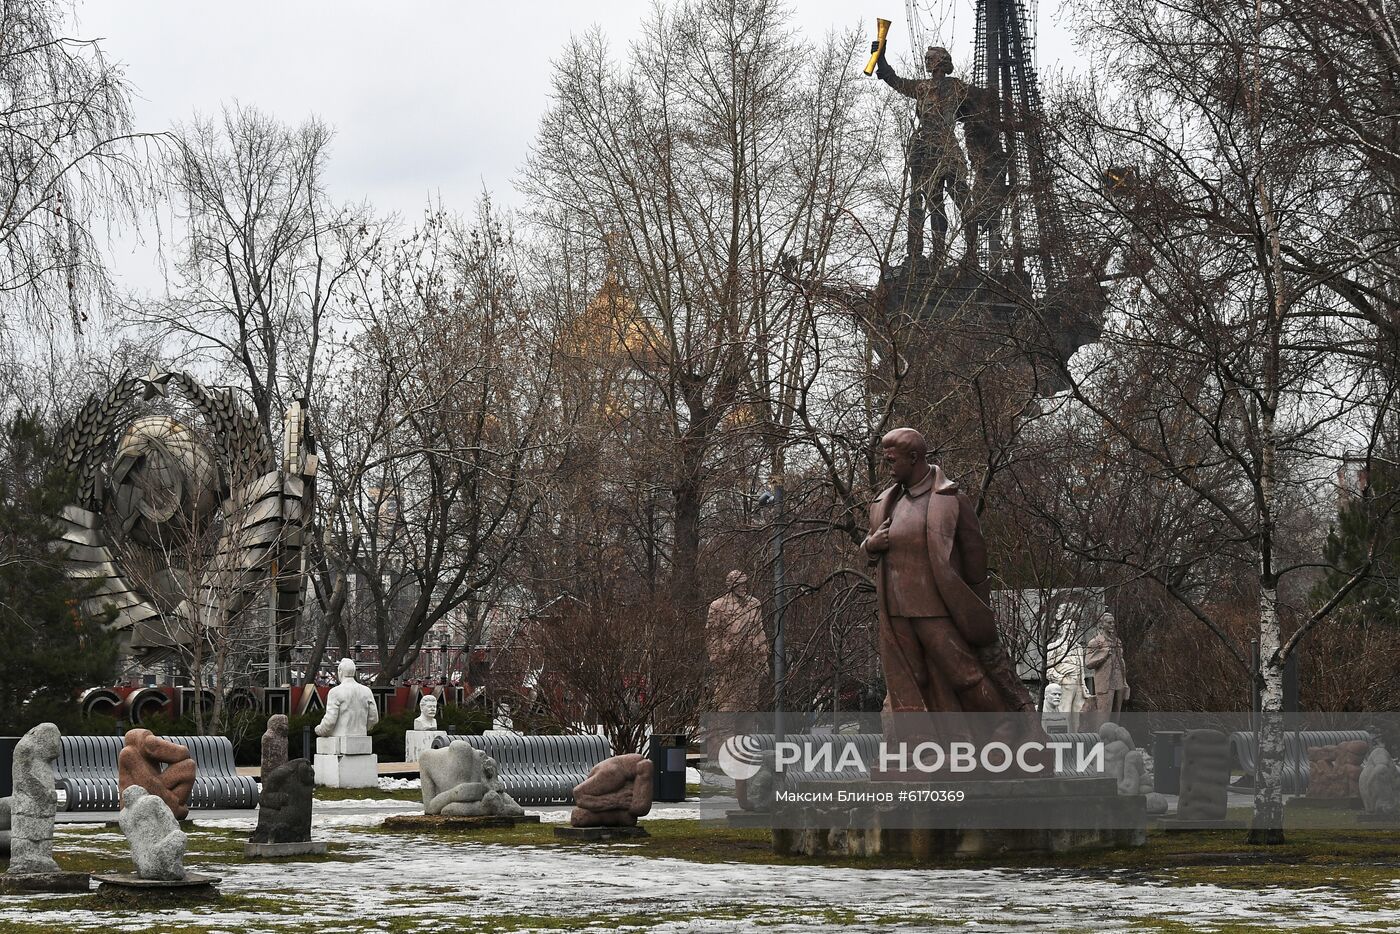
(428, 98)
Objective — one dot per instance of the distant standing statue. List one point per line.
(350, 707)
(1103, 670)
(937, 164)
(140, 761)
(737, 647)
(33, 804)
(427, 713)
(938, 639)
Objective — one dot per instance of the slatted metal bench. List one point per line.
(542, 769)
(86, 771)
(1244, 750)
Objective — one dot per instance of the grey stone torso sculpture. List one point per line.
(274, 744)
(157, 843)
(33, 803)
(284, 807)
(1205, 776)
(1380, 783)
(616, 792)
(461, 781)
(350, 707)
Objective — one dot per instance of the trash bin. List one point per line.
(667, 754)
(1166, 761)
(7, 764)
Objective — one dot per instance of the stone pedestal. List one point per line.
(437, 822)
(415, 741)
(346, 762)
(273, 850)
(194, 885)
(61, 881)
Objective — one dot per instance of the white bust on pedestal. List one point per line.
(1052, 718)
(344, 752)
(424, 729)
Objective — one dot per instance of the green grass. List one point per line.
(412, 795)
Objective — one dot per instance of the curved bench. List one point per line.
(542, 769)
(1244, 750)
(86, 770)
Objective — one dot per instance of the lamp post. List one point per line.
(445, 647)
(774, 497)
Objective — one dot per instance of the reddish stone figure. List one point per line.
(1335, 771)
(139, 763)
(616, 792)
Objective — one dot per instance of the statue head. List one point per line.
(906, 455)
(737, 582)
(938, 61)
(46, 740)
(1054, 695)
(134, 738)
(277, 723)
(1108, 626)
(427, 705)
(345, 671)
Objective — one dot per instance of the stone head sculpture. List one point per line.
(345, 671)
(427, 713)
(1054, 696)
(737, 583)
(277, 723)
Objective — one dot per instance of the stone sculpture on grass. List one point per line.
(284, 807)
(462, 781)
(616, 792)
(1380, 783)
(33, 804)
(157, 842)
(139, 764)
(274, 744)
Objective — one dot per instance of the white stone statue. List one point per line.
(427, 713)
(350, 708)
(1054, 696)
(1052, 718)
(1380, 783)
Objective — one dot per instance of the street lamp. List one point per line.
(774, 497)
(445, 647)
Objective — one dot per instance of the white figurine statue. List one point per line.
(427, 713)
(350, 708)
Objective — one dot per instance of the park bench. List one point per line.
(542, 769)
(1244, 750)
(86, 771)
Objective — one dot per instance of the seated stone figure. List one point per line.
(461, 781)
(616, 792)
(139, 763)
(284, 806)
(157, 843)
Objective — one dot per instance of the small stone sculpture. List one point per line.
(274, 744)
(139, 763)
(157, 843)
(1205, 776)
(1380, 783)
(1335, 771)
(461, 781)
(1117, 744)
(284, 807)
(616, 792)
(5, 826)
(760, 790)
(427, 713)
(33, 804)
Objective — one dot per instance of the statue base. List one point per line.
(129, 884)
(61, 881)
(274, 850)
(437, 822)
(346, 762)
(1058, 816)
(595, 834)
(415, 741)
(748, 820)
